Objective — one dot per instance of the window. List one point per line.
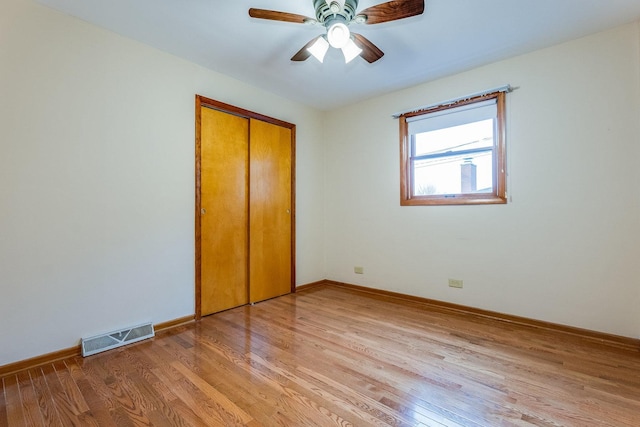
(454, 154)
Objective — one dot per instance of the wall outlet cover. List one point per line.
(454, 283)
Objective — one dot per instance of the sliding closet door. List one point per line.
(245, 207)
(224, 211)
(270, 210)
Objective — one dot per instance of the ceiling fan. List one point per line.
(335, 16)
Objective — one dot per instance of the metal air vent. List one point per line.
(110, 340)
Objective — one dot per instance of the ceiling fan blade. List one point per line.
(278, 16)
(393, 10)
(303, 54)
(370, 51)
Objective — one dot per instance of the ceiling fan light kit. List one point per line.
(335, 17)
(350, 51)
(338, 35)
(319, 48)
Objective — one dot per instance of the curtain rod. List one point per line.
(506, 88)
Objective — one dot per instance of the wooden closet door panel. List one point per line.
(224, 199)
(270, 210)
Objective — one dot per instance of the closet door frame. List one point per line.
(203, 102)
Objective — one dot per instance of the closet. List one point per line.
(245, 222)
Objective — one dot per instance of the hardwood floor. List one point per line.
(330, 356)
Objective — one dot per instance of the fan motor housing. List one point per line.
(324, 13)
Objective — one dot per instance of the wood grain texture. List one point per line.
(370, 52)
(332, 355)
(599, 337)
(278, 16)
(203, 104)
(49, 358)
(393, 10)
(198, 206)
(32, 362)
(163, 326)
(224, 247)
(270, 211)
(202, 101)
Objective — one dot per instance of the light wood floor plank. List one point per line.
(67, 412)
(4, 419)
(292, 399)
(13, 402)
(301, 355)
(335, 356)
(44, 398)
(32, 414)
(69, 389)
(100, 408)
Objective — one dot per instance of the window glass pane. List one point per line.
(454, 153)
(456, 116)
(456, 160)
(465, 137)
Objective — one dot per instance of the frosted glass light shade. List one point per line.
(319, 49)
(350, 51)
(338, 35)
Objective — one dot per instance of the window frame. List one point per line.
(498, 195)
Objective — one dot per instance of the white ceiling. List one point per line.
(451, 36)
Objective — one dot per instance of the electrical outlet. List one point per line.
(454, 283)
(358, 270)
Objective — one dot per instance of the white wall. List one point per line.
(97, 180)
(565, 249)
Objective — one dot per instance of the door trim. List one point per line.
(203, 102)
